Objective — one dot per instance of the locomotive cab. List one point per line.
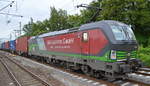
(116, 45)
(123, 47)
(123, 43)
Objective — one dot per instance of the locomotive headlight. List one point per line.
(113, 54)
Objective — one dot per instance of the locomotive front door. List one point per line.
(85, 44)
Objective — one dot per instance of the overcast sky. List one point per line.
(37, 9)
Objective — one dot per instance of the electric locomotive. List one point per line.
(102, 49)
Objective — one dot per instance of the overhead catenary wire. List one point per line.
(11, 14)
(5, 1)
(93, 18)
(7, 13)
(7, 6)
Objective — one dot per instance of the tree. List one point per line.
(132, 12)
(58, 20)
(75, 20)
(27, 28)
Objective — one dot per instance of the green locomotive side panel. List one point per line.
(123, 54)
(106, 57)
(32, 46)
(99, 58)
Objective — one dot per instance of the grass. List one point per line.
(144, 55)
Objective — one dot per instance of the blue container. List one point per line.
(3, 45)
(12, 45)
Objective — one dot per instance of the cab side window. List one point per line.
(85, 37)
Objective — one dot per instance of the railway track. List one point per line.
(132, 80)
(145, 69)
(4, 73)
(11, 75)
(147, 73)
(125, 82)
(20, 75)
(141, 76)
(81, 77)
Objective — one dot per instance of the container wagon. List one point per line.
(22, 45)
(12, 46)
(7, 46)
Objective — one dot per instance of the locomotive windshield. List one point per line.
(122, 32)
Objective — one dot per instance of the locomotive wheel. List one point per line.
(86, 70)
(97, 75)
(68, 66)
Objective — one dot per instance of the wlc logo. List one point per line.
(128, 54)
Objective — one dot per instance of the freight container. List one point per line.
(7, 45)
(22, 45)
(12, 45)
(3, 45)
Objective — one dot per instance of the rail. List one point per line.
(11, 74)
(26, 70)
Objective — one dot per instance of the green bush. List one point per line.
(144, 55)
